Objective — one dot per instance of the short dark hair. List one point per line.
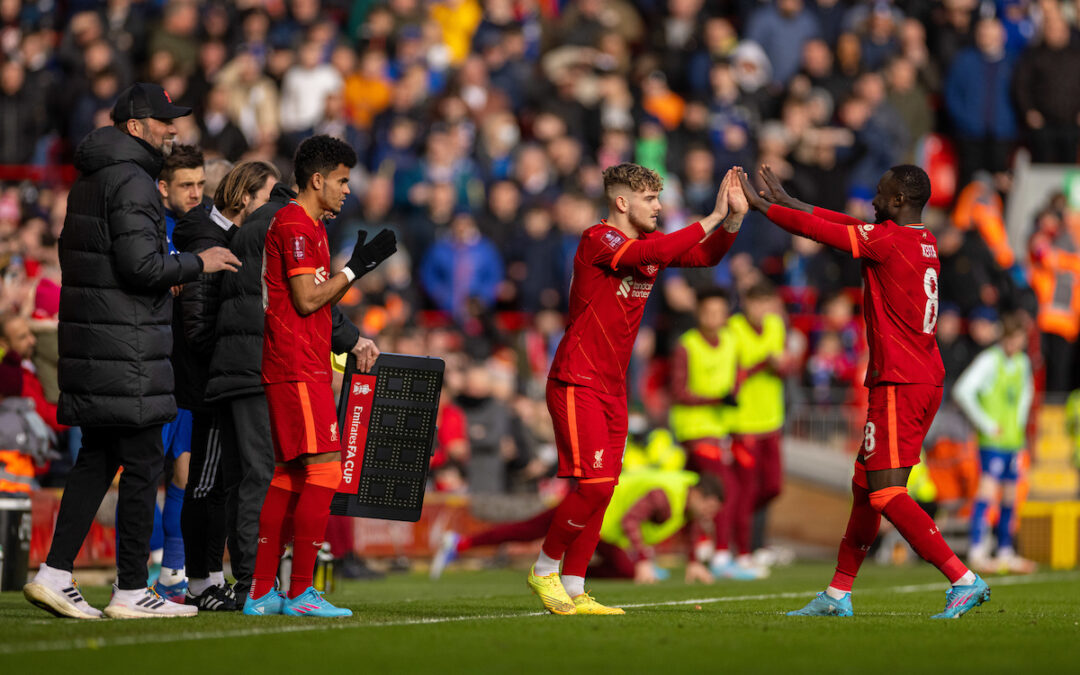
(760, 291)
(713, 292)
(913, 182)
(709, 484)
(320, 154)
(181, 157)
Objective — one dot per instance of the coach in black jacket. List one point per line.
(115, 340)
(236, 379)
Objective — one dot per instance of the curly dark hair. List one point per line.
(913, 182)
(320, 154)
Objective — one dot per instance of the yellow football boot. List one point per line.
(550, 590)
(586, 604)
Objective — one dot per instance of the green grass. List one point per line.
(488, 622)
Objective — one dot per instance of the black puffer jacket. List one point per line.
(195, 310)
(236, 366)
(115, 333)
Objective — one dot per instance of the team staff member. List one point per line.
(235, 383)
(298, 291)
(703, 376)
(116, 380)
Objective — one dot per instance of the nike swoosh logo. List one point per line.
(573, 524)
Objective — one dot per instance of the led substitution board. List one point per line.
(387, 422)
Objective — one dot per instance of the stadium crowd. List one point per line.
(482, 128)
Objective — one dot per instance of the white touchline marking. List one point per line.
(128, 640)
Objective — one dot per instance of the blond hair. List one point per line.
(246, 178)
(633, 176)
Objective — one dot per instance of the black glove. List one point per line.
(367, 256)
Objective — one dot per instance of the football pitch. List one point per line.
(487, 621)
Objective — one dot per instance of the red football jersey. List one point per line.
(900, 270)
(611, 282)
(295, 348)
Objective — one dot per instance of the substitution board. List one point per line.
(387, 421)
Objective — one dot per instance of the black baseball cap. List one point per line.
(145, 99)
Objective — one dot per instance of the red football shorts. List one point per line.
(897, 420)
(303, 419)
(590, 430)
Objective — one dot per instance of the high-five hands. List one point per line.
(367, 256)
(736, 199)
(753, 198)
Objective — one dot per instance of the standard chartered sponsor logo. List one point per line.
(628, 288)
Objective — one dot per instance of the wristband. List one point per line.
(349, 274)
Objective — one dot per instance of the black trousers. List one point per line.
(1059, 355)
(104, 450)
(246, 426)
(203, 520)
(1056, 145)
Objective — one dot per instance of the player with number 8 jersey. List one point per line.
(900, 305)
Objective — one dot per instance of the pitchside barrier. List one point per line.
(387, 420)
(1049, 533)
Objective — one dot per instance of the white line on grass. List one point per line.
(128, 640)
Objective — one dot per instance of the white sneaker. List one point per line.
(56, 592)
(144, 603)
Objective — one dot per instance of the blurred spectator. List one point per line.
(829, 371)
(782, 28)
(1051, 112)
(955, 347)
(535, 262)
(20, 122)
(461, 265)
(305, 88)
(488, 423)
(219, 133)
(911, 101)
(979, 102)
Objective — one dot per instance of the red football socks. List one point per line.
(278, 503)
(309, 521)
(862, 529)
(920, 530)
(581, 550)
(573, 514)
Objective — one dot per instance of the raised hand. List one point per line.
(736, 199)
(366, 255)
(755, 200)
(774, 191)
(721, 208)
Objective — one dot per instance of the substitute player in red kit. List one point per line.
(298, 291)
(615, 267)
(900, 304)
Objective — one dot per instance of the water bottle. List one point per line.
(323, 580)
(285, 570)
